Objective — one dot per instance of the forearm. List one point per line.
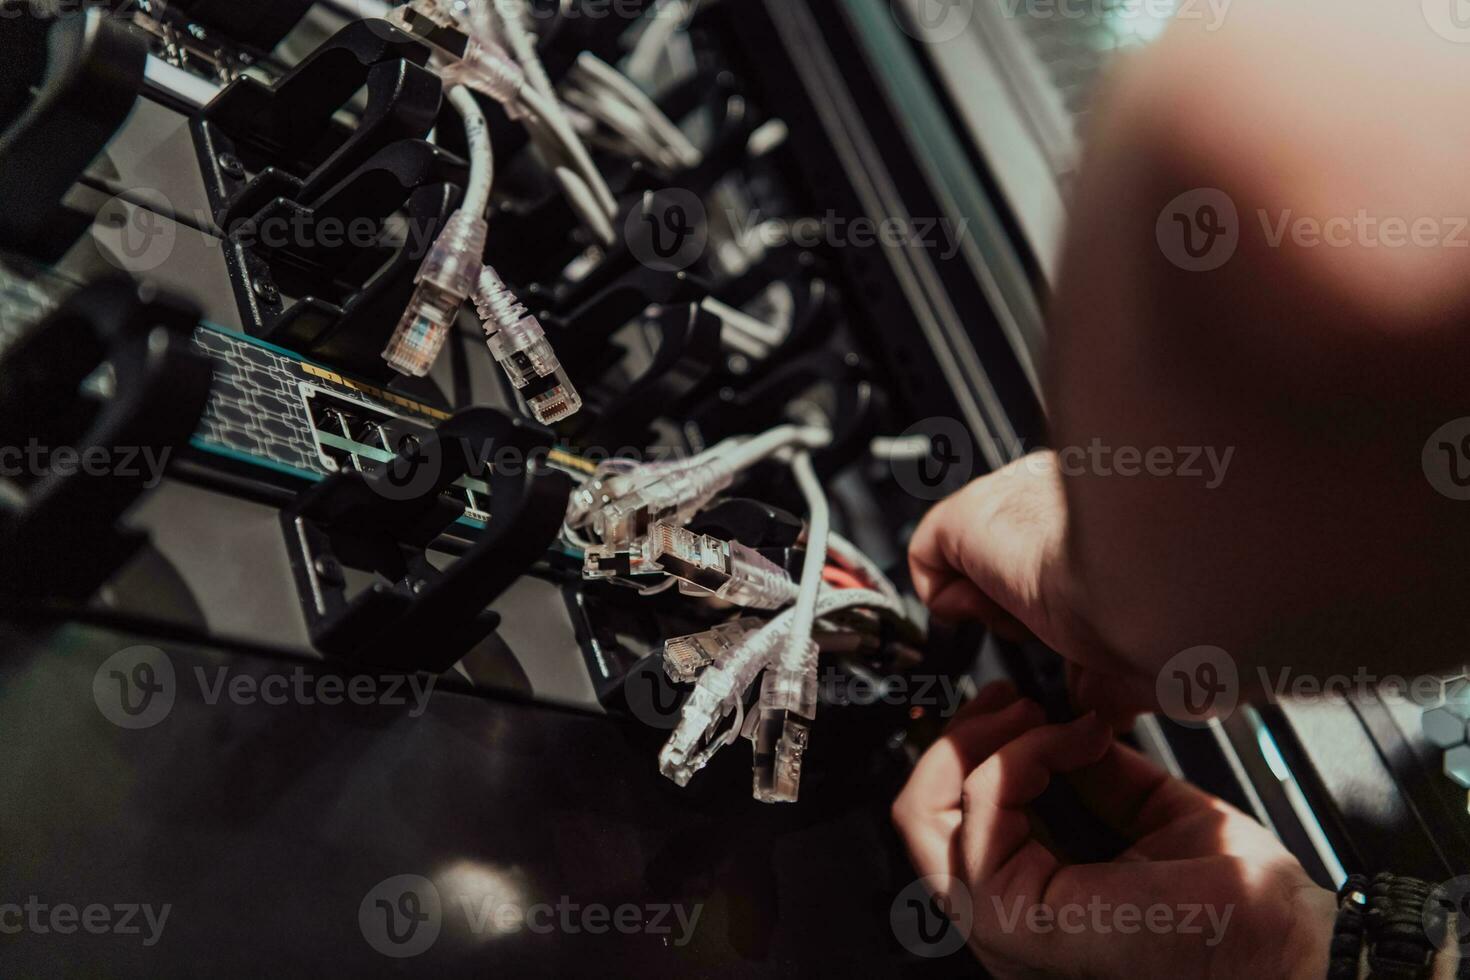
(1301, 383)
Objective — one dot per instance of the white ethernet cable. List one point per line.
(686, 656)
(819, 527)
(619, 509)
(519, 345)
(848, 554)
(447, 276)
(788, 700)
(728, 570)
(482, 155)
(487, 67)
(605, 93)
(721, 688)
(540, 97)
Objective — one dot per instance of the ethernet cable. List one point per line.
(667, 19)
(518, 343)
(850, 556)
(720, 691)
(591, 73)
(620, 508)
(540, 97)
(788, 699)
(727, 570)
(488, 68)
(686, 656)
(448, 274)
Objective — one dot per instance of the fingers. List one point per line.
(1134, 796)
(996, 841)
(927, 812)
(976, 554)
(996, 552)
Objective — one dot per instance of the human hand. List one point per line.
(997, 552)
(1202, 890)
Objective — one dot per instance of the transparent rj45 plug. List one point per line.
(445, 280)
(720, 692)
(607, 562)
(673, 497)
(727, 569)
(519, 344)
(686, 656)
(782, 728)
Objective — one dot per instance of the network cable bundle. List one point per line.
(431, 431)
(634, 515)
(497, 315)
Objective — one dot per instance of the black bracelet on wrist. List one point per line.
(1394, 918)
(1347, 931)
(1399, 947)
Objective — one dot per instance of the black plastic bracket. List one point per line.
(97, 451)
(285, 135)
(347, 295)
(855, 408)
(66, 85)
(413, 616)
(688, 353)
